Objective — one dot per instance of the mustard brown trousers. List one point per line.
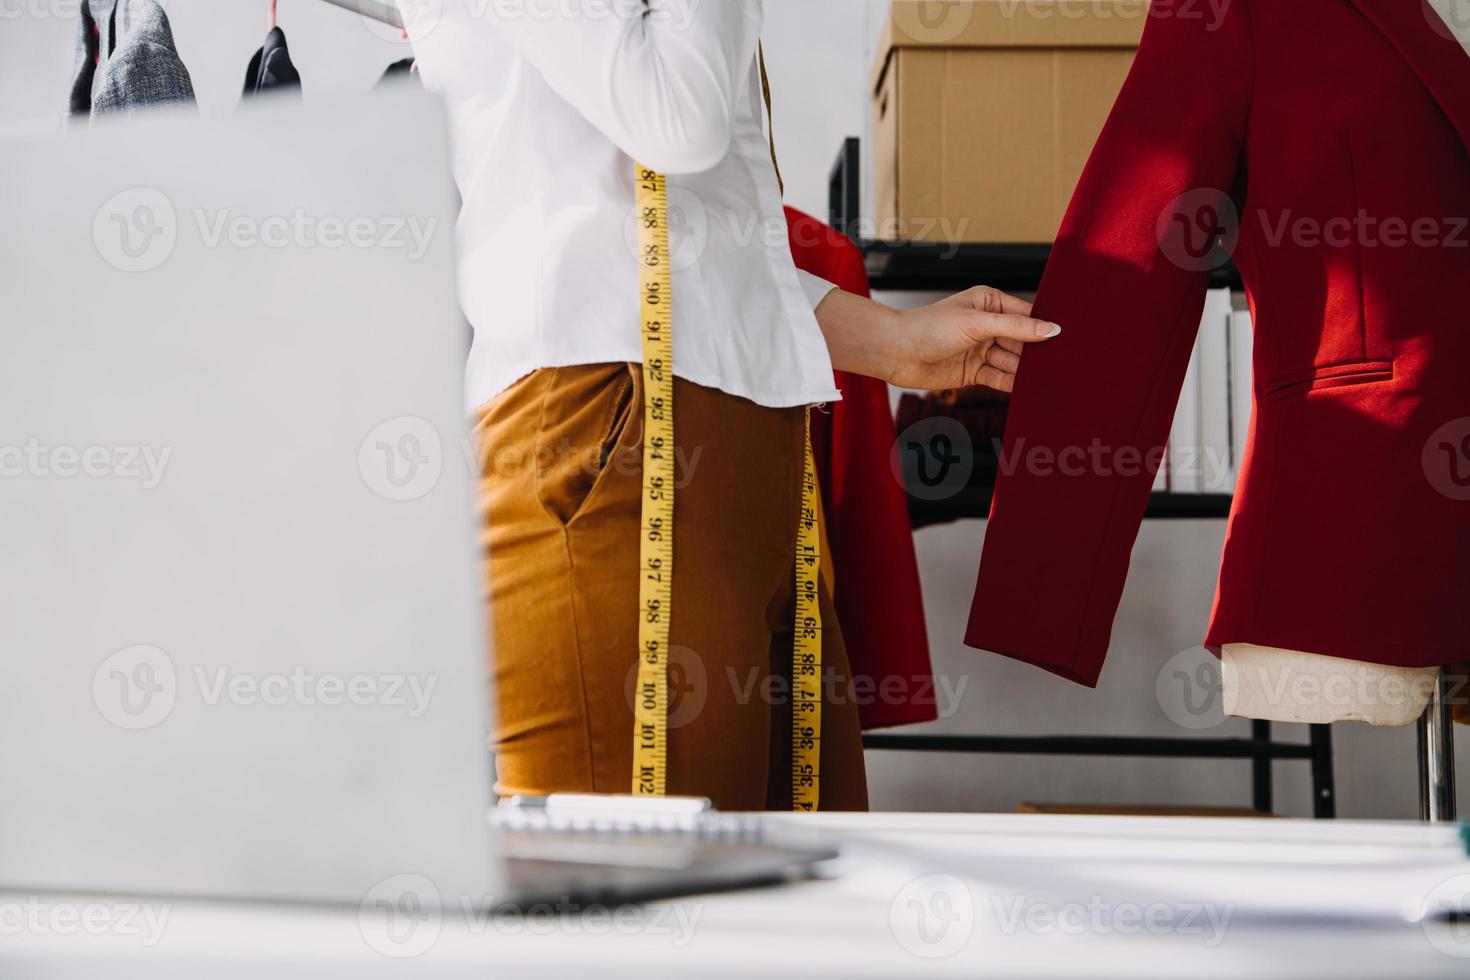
(561, 456)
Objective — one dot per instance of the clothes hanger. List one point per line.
(383, 11)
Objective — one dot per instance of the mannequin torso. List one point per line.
(1273, 684)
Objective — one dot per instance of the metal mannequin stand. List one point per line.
(1437, 756)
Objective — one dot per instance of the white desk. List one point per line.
(1045, 897)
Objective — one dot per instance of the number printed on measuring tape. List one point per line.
(806, 653)
(656, 543)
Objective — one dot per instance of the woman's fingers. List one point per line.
(988, 300)
(993, 377)
(1002, 359)
(1013, 326)
(973, 338)
(992, 367)
(1000, 315)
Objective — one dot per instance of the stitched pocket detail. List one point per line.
(622, 410)
(1343, 375)
(581, 431)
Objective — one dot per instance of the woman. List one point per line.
(551, 102)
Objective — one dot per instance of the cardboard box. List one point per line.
(985, 112)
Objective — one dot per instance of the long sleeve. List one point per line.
(660, 78)
(1091, 411)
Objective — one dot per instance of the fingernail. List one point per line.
(1048, 330)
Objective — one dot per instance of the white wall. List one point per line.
(819, 53)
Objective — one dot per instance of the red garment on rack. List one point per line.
(879, 603)
(1324, 121)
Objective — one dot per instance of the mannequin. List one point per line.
(1272, 684)
(1343, 541)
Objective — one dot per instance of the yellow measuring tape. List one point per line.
(656, 542)
(806, 649)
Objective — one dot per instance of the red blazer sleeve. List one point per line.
(1092, 410)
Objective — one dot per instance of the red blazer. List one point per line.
(1333, 126)
(879, 605)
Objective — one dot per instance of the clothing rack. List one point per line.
(383, 11)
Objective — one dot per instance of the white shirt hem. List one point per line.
(785, 398)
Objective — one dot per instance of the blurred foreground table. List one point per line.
(915, 895)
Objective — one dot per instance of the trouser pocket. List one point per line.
(584, 420)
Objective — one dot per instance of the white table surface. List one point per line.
(1014, 896)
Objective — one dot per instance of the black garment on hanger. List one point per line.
(271, 69)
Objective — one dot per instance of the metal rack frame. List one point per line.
(952, 267)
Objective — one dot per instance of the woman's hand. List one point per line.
(972, 338)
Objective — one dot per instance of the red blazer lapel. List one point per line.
(1422, 39)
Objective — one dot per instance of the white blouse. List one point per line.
(550, 102)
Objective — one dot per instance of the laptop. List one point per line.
(242, 596)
